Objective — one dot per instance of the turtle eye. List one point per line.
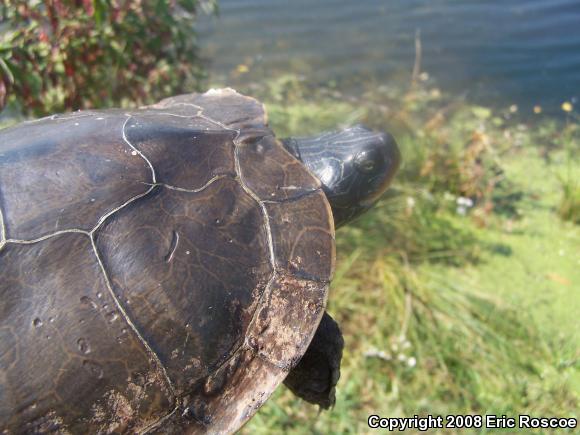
(366, 161)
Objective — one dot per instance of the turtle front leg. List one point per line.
(316, 375)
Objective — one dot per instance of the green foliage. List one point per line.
(60, 55)
(415, 226)
(569, 206)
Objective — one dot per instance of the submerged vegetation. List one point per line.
(459, 292)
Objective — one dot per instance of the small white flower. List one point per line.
(375, 353)
(412, 362)
(464, 201)
(410, 202)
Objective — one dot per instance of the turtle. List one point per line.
(164, 269)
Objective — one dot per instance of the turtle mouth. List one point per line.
(371, 199)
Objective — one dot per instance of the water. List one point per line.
(496, 52)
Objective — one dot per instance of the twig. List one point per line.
(408, 312)
(408, 302)
(418, 56)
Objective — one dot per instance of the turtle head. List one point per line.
(355, 167)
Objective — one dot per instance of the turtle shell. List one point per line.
(161, 269)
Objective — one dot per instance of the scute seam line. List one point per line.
(265, 294)
(132, 325)
(178, 116)
(264, 211)
(124, 134)
(196, 190)
(79, 114)
(157, 106)
(294, 198)
(2, 230)
(159, 422)
(104, 217)
(47, 236)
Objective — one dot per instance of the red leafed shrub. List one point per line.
(60, 55)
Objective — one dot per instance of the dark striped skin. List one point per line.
(354, 165)
(161, 269)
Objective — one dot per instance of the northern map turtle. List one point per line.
(164, 269)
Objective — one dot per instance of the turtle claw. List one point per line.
(315, 376)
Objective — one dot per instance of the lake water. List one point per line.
(497, 52)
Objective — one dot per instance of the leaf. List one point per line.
(6, 71)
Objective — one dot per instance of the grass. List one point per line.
(569, 207)
(459, 292)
